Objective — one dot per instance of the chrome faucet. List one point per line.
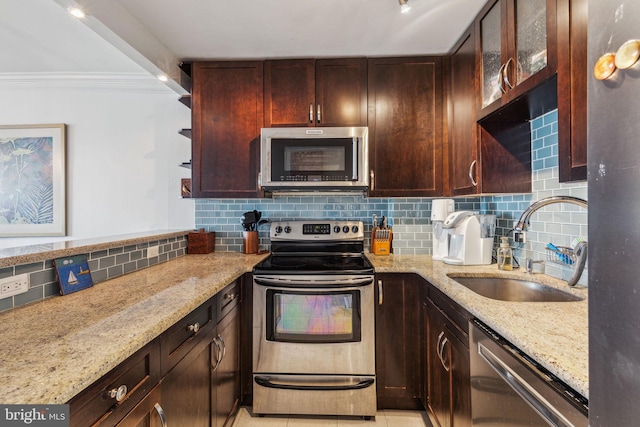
(580, 251)
(522, 224)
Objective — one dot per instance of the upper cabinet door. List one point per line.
(226, 118)
(491, 53)
(463, 146)
(307, 92)
(289, 93)
(516, 41)
(405, 127)
(341, 92)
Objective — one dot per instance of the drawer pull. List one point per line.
(194, 328)
(229, 297)
(118, 393)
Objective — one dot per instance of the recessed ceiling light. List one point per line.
(163, 78)
(77, 12)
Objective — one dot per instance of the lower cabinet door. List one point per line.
(448, 373)
(186, 390)
(226, 377)
(398, 341)
(439, 379)
(147, 413)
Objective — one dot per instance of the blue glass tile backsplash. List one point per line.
(410, 217)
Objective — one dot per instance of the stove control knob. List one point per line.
(278, 229)
(354, 229)
(345, 228)
(336, 228)
(287, 229)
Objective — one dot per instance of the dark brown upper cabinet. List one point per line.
(572, 89)
(517, 50)
(464, 159)
(309, 92)
(226, 118)
(406, 127)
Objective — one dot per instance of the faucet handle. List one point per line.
(529, 264)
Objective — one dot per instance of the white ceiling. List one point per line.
(120, 36)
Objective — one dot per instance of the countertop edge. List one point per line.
(46, 251)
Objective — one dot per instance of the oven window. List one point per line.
(319, 317)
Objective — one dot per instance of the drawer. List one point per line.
(228, 298)
(109, 399)
(179, 339)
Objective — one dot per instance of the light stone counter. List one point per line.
(553, 334)
(53, 349)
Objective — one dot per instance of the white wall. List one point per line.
(122, 146)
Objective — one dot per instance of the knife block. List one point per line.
(381, 241)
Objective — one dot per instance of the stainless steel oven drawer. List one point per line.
(314, 395)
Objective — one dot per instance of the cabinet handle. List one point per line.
(442, 342)
(473, 181)
(310, 113)
(218, 351)
(118, 393)
(505, 73)
(500, 79)
(160, 411)
(194, 327)
(318, 113)
(224, 348)
(230, 297)
(380, 293)
(372, 185)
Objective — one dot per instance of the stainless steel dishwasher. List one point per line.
(510, 389)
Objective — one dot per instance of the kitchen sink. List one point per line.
(518, 290)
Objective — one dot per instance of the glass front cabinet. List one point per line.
(516, 45)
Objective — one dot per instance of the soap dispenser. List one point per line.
(505, 255)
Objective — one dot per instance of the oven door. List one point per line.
(307, 325)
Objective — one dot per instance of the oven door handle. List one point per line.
(297, 283)
(266, 382)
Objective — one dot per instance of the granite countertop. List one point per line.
(554, 334)
(53, 349)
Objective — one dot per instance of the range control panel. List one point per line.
(316, 230)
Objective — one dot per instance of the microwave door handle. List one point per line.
(354, 167)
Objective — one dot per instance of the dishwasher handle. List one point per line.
(524, 389)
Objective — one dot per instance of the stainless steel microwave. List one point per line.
(314, 159)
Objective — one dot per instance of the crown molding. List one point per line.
(95, 82)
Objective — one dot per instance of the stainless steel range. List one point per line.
(313, 327)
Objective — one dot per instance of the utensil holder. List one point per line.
(250, 242)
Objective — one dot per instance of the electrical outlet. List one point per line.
(14, 285)
(153, 251)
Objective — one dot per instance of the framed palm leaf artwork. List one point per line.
(32, 180)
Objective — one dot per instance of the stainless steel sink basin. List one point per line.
(505, 289)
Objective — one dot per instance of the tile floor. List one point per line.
(385, 418)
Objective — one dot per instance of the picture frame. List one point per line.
(32, 180)
(73, 274)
